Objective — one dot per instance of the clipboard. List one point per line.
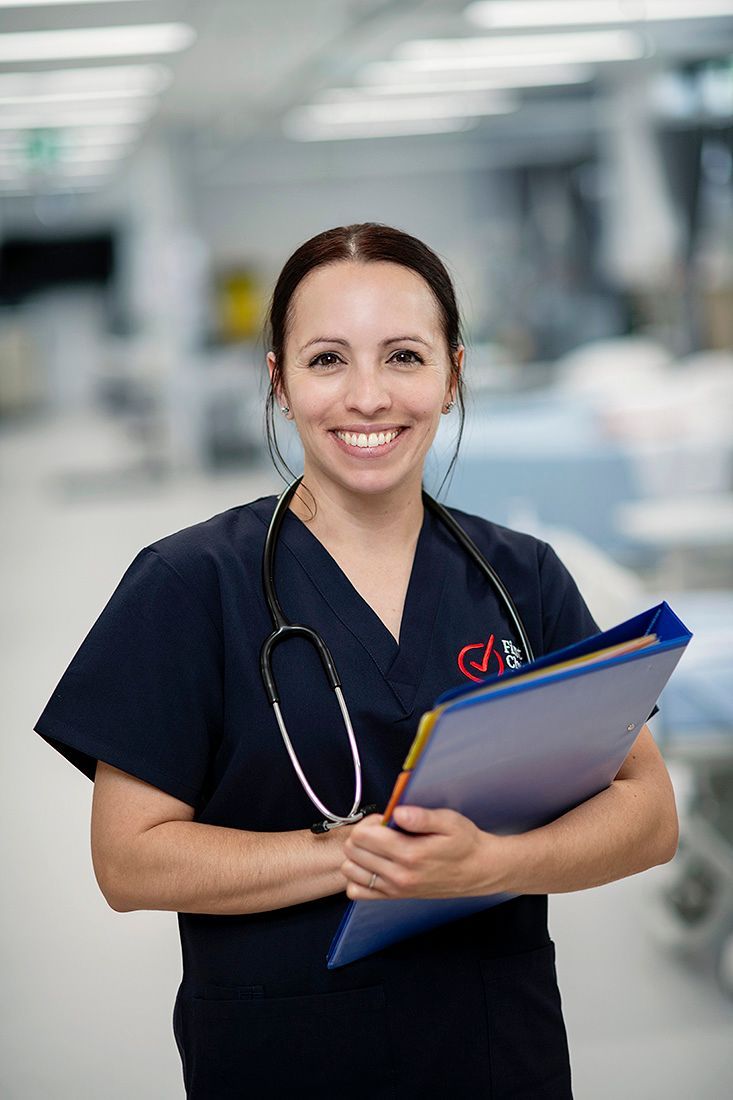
(519, 751)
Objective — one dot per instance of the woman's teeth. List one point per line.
(374, 439)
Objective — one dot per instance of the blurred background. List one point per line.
(572, 162)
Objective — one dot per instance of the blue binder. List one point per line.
(522, 755)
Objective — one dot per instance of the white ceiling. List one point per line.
(252, 60)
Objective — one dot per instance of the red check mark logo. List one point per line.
(488, 652)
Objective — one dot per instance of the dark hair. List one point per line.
(365, 242)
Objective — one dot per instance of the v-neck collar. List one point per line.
(402, 664)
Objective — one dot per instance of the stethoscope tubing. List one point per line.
(284, 630)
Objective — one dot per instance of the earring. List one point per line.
(447, 408)
(285, 409)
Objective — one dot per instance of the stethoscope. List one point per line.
(284, 629)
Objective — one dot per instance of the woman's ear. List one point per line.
(280, 396)
(457, 361)
(271, 361)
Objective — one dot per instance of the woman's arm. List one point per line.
(627, 828)
(148, 853)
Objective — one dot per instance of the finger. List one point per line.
(358, 881)
(372, 819)
(387, 843)
(418, 819)
(363, 867)
(357, 892)
(357, 874)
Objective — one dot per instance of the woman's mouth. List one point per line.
(368, 444)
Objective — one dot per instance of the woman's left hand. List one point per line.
(444, 856)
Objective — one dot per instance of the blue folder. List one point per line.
(520, 756)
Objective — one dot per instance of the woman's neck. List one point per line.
(360, 522)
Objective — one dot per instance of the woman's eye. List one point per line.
(319, 359)
(413, 357)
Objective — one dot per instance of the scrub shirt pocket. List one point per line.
(314, 1045)
(528, 1046)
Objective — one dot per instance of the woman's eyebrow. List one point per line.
(399, 340)
(345, 343)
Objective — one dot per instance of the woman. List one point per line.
(197, 808)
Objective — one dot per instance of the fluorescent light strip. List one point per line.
(50, 3)
(426, 66)
(381, 78)
(404, 109)
(305, 130)
(518, 14)
(150, 38)
(18, 158)
(98, 98)
(107, 78)
(523, 49)
(49, 119)
(80, 136)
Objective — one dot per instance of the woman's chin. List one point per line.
(368, 481)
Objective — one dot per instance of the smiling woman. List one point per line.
(366, 385)
(196, 807)
(359, 284)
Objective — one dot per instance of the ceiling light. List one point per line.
(424, 55)
(517, 14)
(49, 3)
(59, 171)
(18, 157)
(70, 97)
(347, 111)
(150, 38)
(79, 136)
(306, 129)
(107, 80)
(382, 78)
(49, 117)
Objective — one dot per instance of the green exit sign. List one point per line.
(42, 147)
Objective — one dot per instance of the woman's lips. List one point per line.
(366, 451)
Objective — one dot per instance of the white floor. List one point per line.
(88, 992)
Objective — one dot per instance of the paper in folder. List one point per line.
(519, 751)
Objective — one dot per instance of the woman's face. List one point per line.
(366, 374)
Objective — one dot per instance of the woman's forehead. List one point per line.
(365, 296)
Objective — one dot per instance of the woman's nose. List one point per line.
(367, 391)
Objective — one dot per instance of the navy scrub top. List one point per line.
(166, 686)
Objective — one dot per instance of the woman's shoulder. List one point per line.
(540, 581)
(518, 554)
(495, 539)
(206, 552)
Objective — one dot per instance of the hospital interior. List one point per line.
(572, 164)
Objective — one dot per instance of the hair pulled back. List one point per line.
(364, 242)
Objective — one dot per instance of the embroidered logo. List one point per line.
(488, 659)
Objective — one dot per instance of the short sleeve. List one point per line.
(144, 690)
(565, 615)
